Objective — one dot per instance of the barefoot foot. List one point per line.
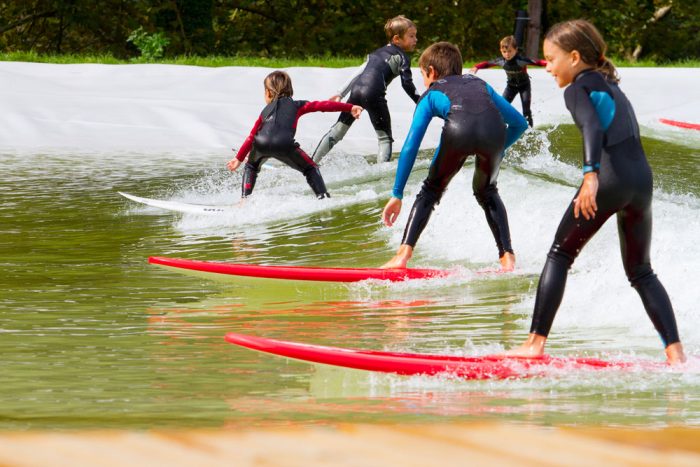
(532, 347)
(507, 262)
(400, 260)
(675, 354)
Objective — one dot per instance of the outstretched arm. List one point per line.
(529, 61)
(329, 106)
(407, 79)
(488, 64)
(245, 147)
(433, 103)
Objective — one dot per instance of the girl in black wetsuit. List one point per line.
(617, 180)
(274, 130)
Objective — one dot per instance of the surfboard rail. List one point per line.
(299, 273)
(465, 367)
(679, 124)
(176, 206)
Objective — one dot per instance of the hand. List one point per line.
(473, 70)
(391, 211)
(233, 164)
(335, 98)
(585, 203)
(356, 111)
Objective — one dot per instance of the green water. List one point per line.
(92, 336)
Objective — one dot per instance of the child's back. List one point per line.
(368, 86)
(378, 71)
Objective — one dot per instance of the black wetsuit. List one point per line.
(273, 136)
(517, 79)
(368, 89)
(477, 121)
(612, 147)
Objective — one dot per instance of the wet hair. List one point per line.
(279, 84)
(397, 26)
(509, 41)
(582, 36)
(444, 57)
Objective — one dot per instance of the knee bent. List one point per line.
(486, 194)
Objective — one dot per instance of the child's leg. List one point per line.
(250, 173)
(525, 98)
(299, 160)
(381, 121)
(572, 235)
(634, 228)
(509, 93)
(334, 136)
(446, 163)
(485, 191)
(315, 181)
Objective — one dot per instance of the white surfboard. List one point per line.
(179, 207)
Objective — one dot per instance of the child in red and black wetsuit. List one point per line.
(273, 134)
(515, 65)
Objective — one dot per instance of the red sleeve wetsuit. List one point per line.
(517, 79)
(273, 136)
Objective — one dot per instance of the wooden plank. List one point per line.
(357, 445)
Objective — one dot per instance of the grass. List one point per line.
(209, 61)
(266, 62)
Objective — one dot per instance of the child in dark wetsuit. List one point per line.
(617, 181)
(368, 88)
(515, 65)
(477, 121)
(273, 134)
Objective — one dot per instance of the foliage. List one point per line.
(266, 62)
(151, 46)
(327, 28)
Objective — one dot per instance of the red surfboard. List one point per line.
(676, 123)
(484, 367)
(299, 273)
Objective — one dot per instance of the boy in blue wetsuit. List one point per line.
(517, 79)
(367, 88)
(477, 121)
(617, 180)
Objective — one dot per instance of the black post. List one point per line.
(521, 20)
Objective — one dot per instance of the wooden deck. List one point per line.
(358, 445)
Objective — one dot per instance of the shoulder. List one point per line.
(458, 81)
(383, 50)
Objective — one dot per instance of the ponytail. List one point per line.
(606, 68)
(279, 84)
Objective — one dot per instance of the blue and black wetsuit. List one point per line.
(273, 136)
(477, 121)
(517, 79)
(612, 147)
(367, 88)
